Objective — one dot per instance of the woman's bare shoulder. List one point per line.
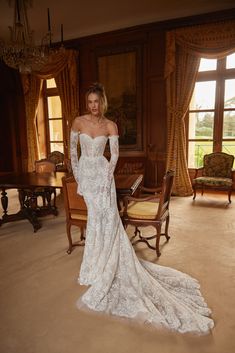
(112, 127)
(78, 121)
(81, 118)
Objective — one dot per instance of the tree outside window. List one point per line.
(211, 121)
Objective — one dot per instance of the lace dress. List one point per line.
(120, 283)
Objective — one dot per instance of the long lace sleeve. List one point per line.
(114, 149)
(106, 187)
(74, 156)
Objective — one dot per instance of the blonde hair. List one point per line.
(98, 89)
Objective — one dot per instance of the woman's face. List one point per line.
(93, 104)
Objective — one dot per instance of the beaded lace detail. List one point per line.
(120, 283)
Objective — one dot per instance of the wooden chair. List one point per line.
(131, 165)
(147, 211)
(44, 166)
(57, 157)
(216, 174)
(75, 209)
(68, 166)
(30, 197)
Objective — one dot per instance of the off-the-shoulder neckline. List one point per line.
(93, 138)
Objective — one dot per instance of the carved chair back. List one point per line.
(75, 209)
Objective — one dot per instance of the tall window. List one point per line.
(211, 124)
(55, 119)
(49, 120)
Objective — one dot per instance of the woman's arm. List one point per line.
(74, 135)
(114, 149)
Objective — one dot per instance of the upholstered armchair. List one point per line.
(215, 174)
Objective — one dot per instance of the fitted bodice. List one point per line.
(92, 146)
(93, 171)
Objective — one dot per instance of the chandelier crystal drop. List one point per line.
(20, 52)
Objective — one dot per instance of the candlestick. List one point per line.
(18, 10)
(62, 33)
(48, 20)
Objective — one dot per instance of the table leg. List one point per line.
(4, 201)
(24, 212)
(51, 207)
(30, 210)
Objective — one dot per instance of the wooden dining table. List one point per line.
(125, 185)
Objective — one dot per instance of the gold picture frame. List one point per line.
(119, 73)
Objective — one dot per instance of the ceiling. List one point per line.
(86, 17)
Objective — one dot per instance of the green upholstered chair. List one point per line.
(216, 174)
(151, 210)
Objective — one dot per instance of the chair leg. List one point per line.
(125, 225)
(68, 227)
(82, 237)
(137, 231)
(43, 201)
(194, 193)
(166, 228)
(158, 235)
(54, 200)
(229, 195)
(55, 210)
(22, 198)
(48, 198)
(33, 201)
(202, 190)
(51, 207)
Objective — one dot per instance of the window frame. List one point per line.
(220, 74)
(52, 92)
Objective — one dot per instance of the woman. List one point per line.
(120, 283)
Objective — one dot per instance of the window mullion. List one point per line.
(219, 104)
(46, 114)
(200, 123)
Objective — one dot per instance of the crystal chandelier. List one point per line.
(20, 52)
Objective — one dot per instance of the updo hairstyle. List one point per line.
(98, 89)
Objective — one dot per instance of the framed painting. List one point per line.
(119, 73)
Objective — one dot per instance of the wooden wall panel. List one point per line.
(13, 140)
(156, 135)
(150, 39)
(156, 53)
(156, 108)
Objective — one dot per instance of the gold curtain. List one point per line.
(62, 66)
(67, 84)
(185, 46)
(31, 88)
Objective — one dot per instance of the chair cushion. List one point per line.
(79, 216)
(213, 181)
(142, 210)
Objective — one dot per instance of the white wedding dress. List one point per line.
(120, 283)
